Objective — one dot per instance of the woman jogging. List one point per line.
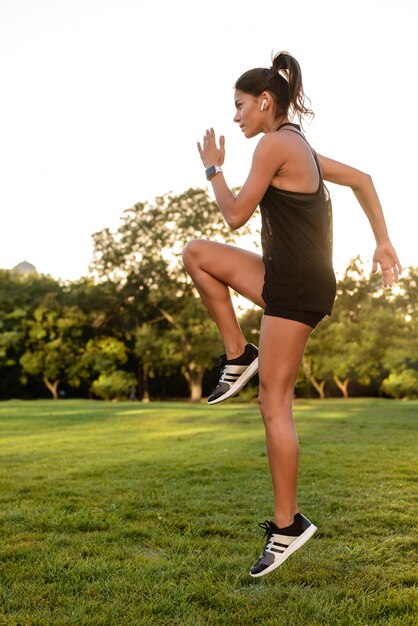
(293, 281)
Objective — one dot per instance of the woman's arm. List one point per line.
(267, 160)
(363, 189)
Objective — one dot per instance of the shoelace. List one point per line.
(268, 530)
(268, 533)
(221, 362)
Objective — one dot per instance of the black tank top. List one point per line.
(296, 237)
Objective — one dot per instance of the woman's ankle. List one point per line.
(235, 349)
(283, 520)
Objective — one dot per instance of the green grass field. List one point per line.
(130, 514)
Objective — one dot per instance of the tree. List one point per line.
(196, 340)
(400, 358)
(156, 353)
(102, 356)
(144, 257)
(312, 365)
(19, 296)
(350, 345)
(150, 240)
(54, 346)
(334, 349)
(117, 385)
(402, 384)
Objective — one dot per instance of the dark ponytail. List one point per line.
(283, 80)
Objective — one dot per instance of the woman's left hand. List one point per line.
(387, 258)
(210, 153)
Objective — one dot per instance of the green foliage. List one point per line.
(156, 350)
(104, 354)
(250, 323)
(8, 341)
(401, 384)
(54, 345)
(145, 255)
(368, 334)
(149, 243)
(19, 297)
(117, 385)
(140, 313)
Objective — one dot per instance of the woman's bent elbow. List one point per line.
(363, 180)
(234, 224)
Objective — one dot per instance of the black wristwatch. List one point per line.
(212, 171)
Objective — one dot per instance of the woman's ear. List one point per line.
(265, 101)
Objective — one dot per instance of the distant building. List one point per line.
(25, 268)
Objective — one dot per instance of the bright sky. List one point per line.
(102, 102)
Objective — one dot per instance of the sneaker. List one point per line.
(235, 374)
(281, 543)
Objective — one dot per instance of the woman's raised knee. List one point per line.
(191, 251)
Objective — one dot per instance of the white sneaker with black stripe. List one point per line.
(281, 543)
(235, 374)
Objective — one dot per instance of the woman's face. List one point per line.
(248, 114)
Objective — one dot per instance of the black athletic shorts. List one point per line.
(311, 318)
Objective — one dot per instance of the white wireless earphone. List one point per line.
(263, 105)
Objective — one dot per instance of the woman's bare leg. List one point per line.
(213, 268)
(282, 344)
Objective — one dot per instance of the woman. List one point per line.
(293, 281)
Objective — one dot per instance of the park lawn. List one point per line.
(131, 514)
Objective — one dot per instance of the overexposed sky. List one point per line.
(102, 102)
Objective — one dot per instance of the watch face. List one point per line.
(211, 171)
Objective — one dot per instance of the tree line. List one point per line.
(135, 327)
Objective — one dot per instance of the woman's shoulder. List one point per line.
(282, 138)
(283, 145)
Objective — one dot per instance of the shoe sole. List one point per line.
(239, 384)
(297, 543)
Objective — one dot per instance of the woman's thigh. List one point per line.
(282, 345)
(240, 269)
